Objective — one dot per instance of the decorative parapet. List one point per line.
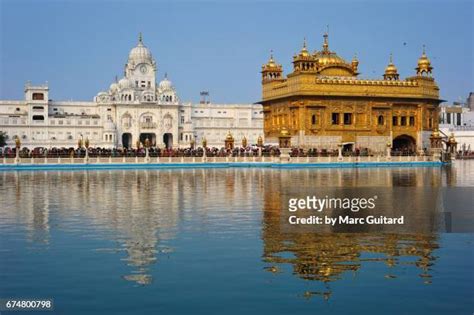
(351, 86)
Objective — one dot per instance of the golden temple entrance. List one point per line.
(404, 143)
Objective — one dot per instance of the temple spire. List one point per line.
(140, 38)
(326, 44)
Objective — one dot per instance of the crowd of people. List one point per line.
(267, 150)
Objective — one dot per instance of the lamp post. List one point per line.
(17, 151)
(285, 145)
(389, 151)
(452, 146)
(436, 144)
(339, 151)
(147, 146)
(86, 144)
(229, 141)
(244, 146)
(79, 145)
(244, 142)
(259, 145)
(204, 146)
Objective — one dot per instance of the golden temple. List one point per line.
(324, 103)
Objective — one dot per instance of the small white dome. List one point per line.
(125, 83)
(140, 53)
(114, 87)
(165, 84)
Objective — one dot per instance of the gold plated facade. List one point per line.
(323, 102)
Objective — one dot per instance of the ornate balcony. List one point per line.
(147, 125)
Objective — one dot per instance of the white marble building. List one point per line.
(458, 120)
(133, 108)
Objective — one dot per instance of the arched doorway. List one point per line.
(151, 136)
(404, 143)
(168, 140)
(348, 147)
(127, 140)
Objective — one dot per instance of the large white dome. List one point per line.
(140, 53)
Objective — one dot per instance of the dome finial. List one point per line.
(166, 75)
(271, 54)
(424, 50)
(355, 59)
(140, 38)
(304, 52)
(391, 58)
(355, 63)
(326, 35)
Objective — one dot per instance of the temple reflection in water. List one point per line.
(142, 210)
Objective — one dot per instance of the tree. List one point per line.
(3, 139)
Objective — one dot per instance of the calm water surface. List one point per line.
(210, 241)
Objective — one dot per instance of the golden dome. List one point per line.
(304, 51)
(424, 60)
(391, 72)
(229, 137)
(391, 69)
(326, 57)
(424, 63)
(435, 133)
(271, 62)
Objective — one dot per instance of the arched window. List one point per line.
(380, 120)
(313, 120)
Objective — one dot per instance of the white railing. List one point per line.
(250, 159)
(461, 128)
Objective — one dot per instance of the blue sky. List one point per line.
(79, 46)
